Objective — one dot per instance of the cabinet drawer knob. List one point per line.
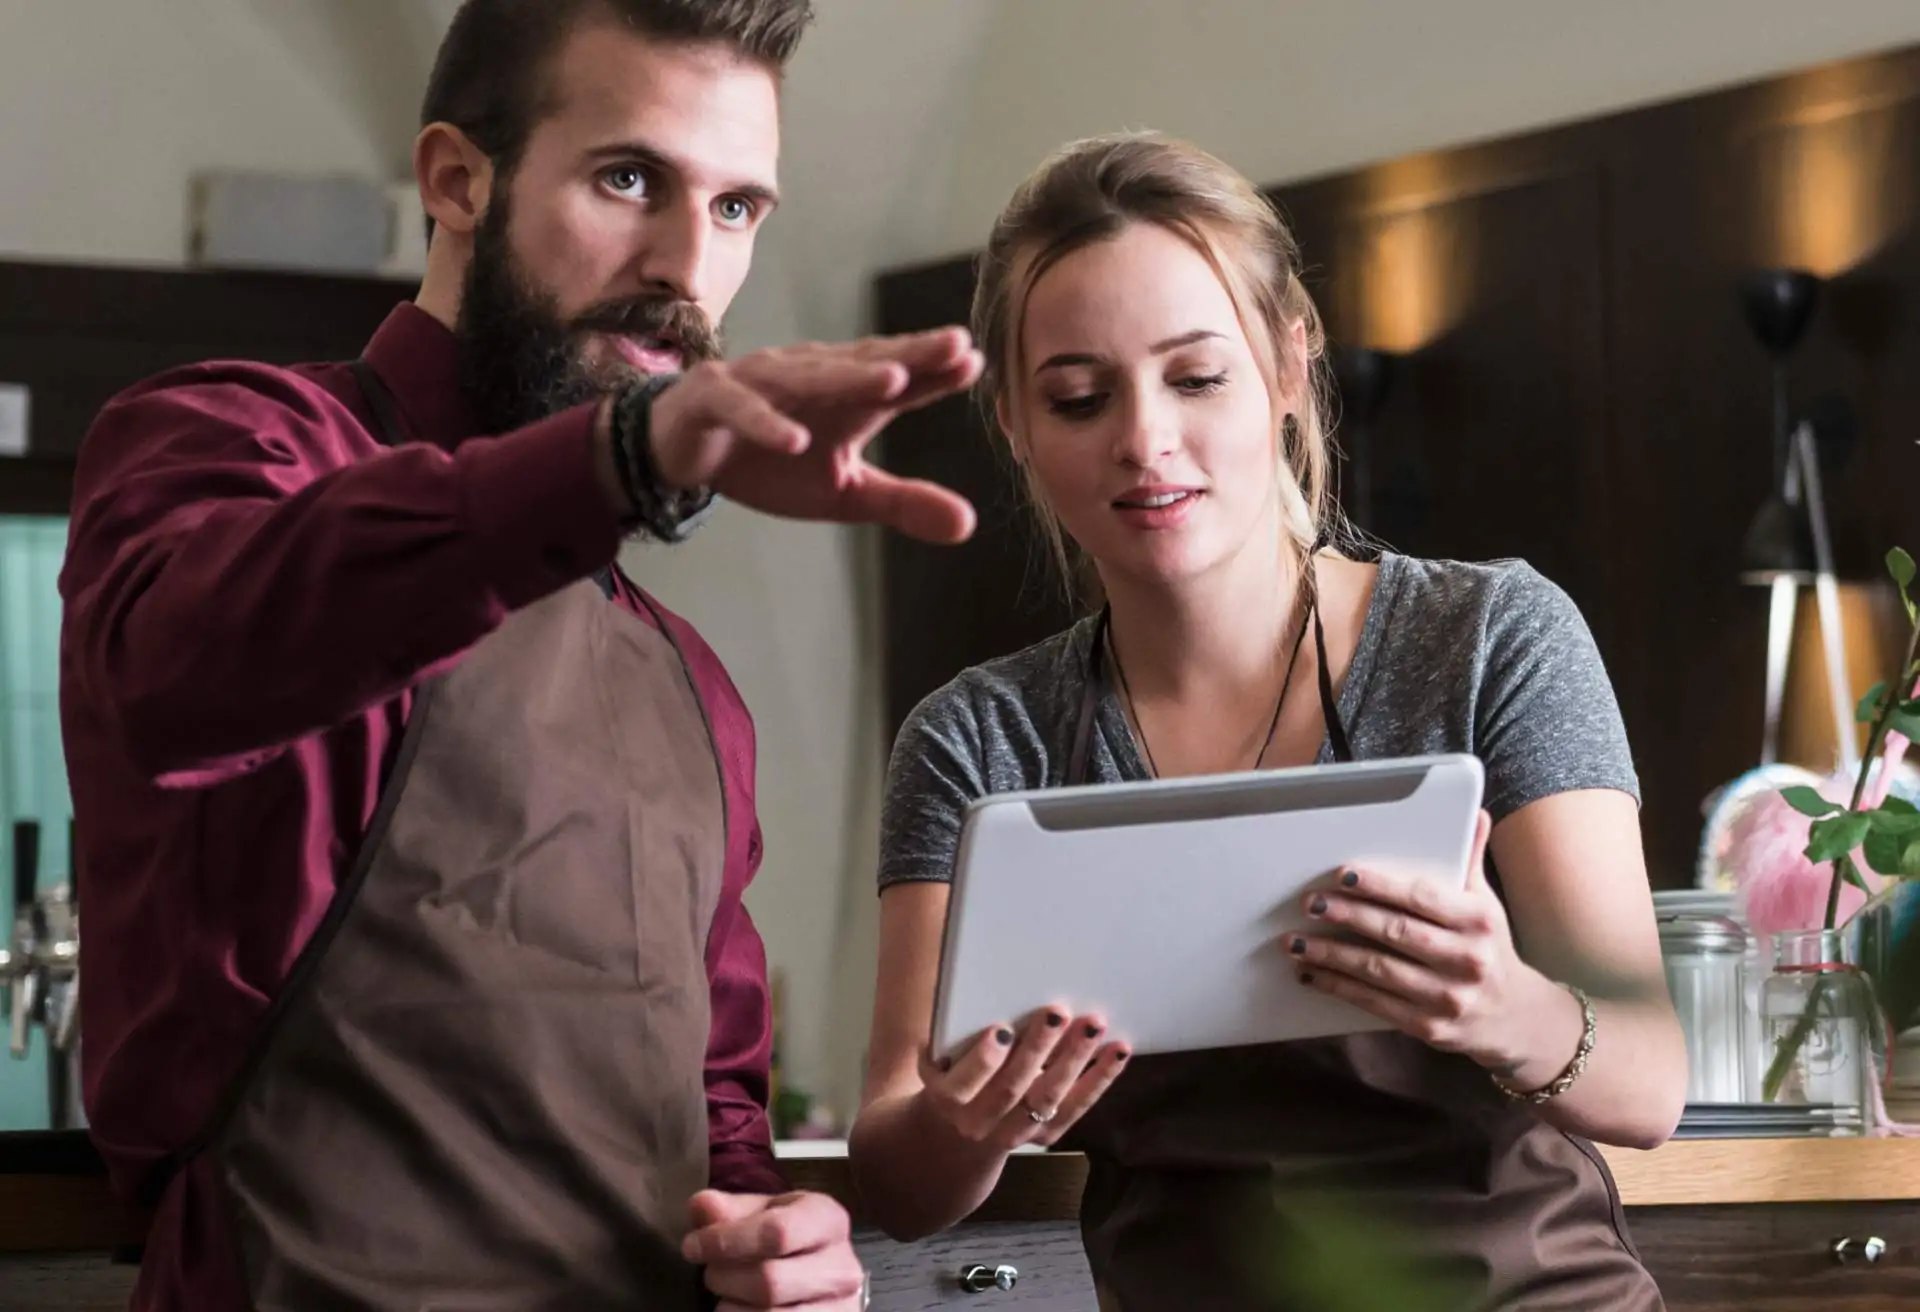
(978, 1279)
(1869, 1249)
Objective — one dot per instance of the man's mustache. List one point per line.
(680, 322)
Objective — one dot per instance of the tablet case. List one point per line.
(1162, 905)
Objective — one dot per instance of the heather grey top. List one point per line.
(1492, 659)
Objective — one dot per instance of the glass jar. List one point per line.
(1705, 959)
(1816, 1014)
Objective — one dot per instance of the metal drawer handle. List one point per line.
(978, 1279)
(1845, 1250)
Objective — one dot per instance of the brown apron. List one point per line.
(1276, 1176)
(483, 1084)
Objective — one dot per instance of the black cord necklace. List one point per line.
(1140, 728)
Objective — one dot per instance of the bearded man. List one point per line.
(412, 833)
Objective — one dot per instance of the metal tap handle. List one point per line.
(26, 993)
(63, 1014)
(26, 863)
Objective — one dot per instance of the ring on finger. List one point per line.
(1037, 1117)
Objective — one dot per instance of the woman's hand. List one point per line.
(1437, 963)
(1026, 1087)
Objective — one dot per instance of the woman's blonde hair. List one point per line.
(1092, 190)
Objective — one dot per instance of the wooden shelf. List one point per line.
(1717, 1171)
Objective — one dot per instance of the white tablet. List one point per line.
(1161, 905)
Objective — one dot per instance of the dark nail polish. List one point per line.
(1306, 977)
(1003, 1037)
(945, 1063)
(1298, 947)
(1093, 1031)
(1350, 879)
(1119, 1057)
(1317, 907)
(1055, 1020)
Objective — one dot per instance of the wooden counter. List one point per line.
(1759, 1225)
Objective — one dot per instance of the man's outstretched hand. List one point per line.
(785, 431)
(785, 1251)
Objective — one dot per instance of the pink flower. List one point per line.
(1780, 888)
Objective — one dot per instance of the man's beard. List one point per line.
(521, 361)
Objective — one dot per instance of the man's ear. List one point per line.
(455, 177)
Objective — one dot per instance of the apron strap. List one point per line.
(386, 411)
(154, 1184)
(1329, 708)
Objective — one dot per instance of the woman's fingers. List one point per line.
(1094, 1080)
(1050, 1088)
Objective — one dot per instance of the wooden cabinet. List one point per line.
(1753, 1225)
(1041, 1268)
(1791, 1257)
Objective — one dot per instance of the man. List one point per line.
(412, 833)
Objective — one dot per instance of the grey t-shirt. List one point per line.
(1492, 659)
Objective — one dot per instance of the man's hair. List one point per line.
(493, 76)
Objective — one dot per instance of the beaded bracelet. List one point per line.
(1565, 1079)
(664, 513)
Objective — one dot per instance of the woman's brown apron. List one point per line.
(1272, 1177)
(483, 1084)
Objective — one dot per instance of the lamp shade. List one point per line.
(1778, 544)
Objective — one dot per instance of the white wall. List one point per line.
(908, 123)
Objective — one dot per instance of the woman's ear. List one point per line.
(455, 177)
(1003, 415)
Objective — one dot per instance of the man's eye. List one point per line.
(625, 179)
(734, 210)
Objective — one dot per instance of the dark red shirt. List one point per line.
(253, 585)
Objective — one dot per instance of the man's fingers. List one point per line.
(714, 1207)
(912, 506)
(807, 1280)
(757, 1229)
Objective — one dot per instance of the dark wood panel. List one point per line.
(951, 607)
(1497, 436)
(1820, 168)
(1781, 1258)
(77, 334)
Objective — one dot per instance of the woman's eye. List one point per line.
(1201, 385)
(1075, 407)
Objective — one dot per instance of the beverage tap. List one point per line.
(42, 966)
(22, 968)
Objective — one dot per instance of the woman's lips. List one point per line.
(1158, 508)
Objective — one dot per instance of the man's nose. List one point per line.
(676, 243)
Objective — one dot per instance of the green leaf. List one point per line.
(1905, 721)
(1809, 802)
(1850, 873)
(1836, 836)
(1884, 851)
(1894, 825)
(1900, 565)
(1869, 708)
(1897, 805)
(1910, 862)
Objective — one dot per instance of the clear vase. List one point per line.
(1816, 1015)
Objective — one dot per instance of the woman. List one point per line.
(1154, 363)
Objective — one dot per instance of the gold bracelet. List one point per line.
(1565, 1079)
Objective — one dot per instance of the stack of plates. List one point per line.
(1762, 1120)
